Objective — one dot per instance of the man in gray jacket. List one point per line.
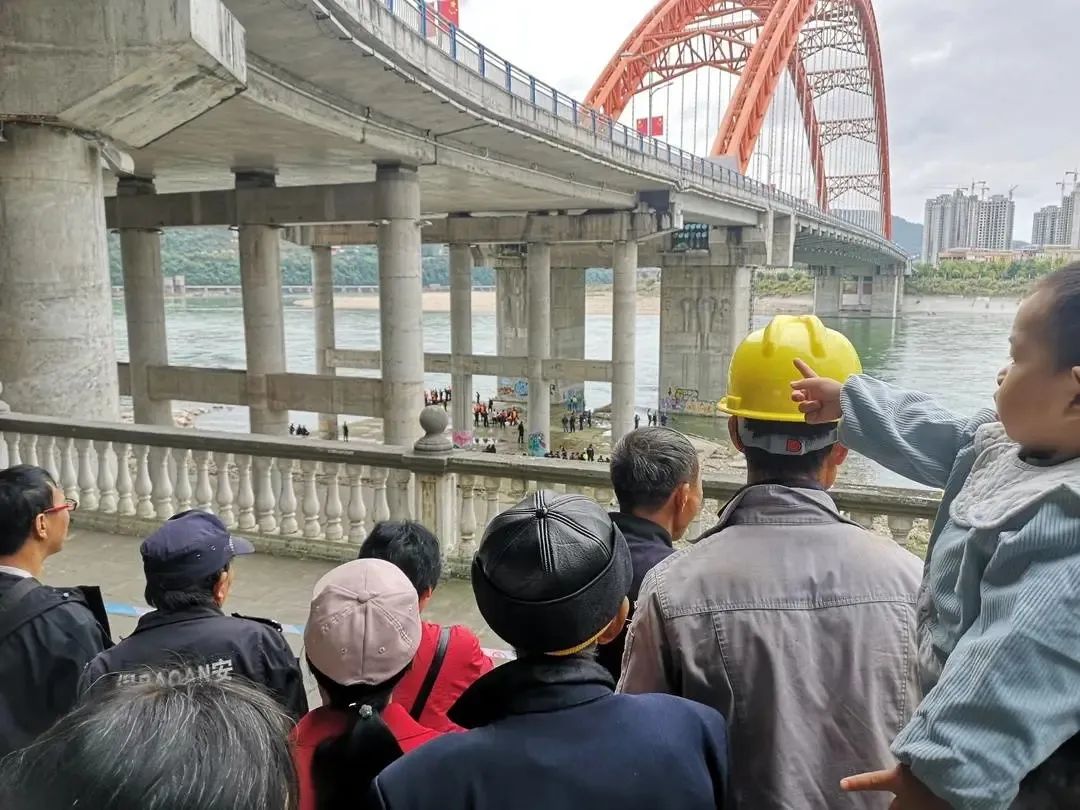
(794, 622)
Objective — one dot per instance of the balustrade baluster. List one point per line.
(900, 527)
(29, 449)
(398, 481)
(380, 507)
(125, 503)
(107, 503)
(264, 495)
(183, 480)
(144, 487)
(310, 503)
(864, 519)
(357, 508)
(519, 487)
(334, 530)
(161, 479)
(491, 493)
(605, 496)
(48, 460)
(288, 497)
(225, 509)
(467, 543)
(204, 492)
(14, 457)
(245, 495)
(88, 491)
(69, 476)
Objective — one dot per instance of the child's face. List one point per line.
(1038, 402)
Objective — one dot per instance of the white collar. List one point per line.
(15, 572)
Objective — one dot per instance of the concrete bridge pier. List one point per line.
(623, 345)
(144, 306)
(828, 290)
(539, 304)
(705, 311)
(511, 321)
(57, 351)
(264, 318)
(876, 292)
(568, 332)
(461, 383)
(322, 301)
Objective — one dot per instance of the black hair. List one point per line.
(1063, 317)
(344, 767)
(215, 745)
(648, 465)
(762, 464)
(197, 595)
(411, 547)
(25, 492)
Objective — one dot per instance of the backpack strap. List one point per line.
(432, 674)
(15, 611)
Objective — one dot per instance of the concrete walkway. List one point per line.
(278, 588)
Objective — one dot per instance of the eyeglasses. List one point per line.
(69, 505)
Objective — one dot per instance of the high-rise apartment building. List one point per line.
(1067, 231)
(994, 223)
(1044, 225)
(961, 220)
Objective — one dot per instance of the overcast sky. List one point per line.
(977, 89)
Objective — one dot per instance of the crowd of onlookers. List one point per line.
(789, 658)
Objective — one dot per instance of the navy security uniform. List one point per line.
(203, 643)
(41, 658)
(550, 734)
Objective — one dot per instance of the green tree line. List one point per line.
(999, 278)
(209, 257)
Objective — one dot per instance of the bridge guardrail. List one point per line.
(473, 55)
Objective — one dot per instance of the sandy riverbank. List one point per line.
(598, 302)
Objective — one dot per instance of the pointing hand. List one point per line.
(818, 397)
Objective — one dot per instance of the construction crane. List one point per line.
(983, 187)
(1011, 190)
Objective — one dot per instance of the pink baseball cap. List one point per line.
(364, 623)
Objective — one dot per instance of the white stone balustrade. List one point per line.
(321, 498)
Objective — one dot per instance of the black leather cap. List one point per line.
(551, 572)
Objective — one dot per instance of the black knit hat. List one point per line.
(551, 572)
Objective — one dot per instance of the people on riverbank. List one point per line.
(449, 659)
(998, 636)
(362, 634)
(551, 577)
(656, 475)
(188, 564)
(794, 622)
(47, 635)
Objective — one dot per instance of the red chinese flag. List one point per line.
(642, 126)
(450, 12)
(656, 126)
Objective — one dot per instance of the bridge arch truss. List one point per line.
(822, 56)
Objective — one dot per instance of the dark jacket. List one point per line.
(549, 733)
(202, 644)
(649, 544)
(41, 660)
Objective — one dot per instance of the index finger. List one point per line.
(873, 781)
(804, 369)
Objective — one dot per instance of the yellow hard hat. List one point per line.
(759, 380)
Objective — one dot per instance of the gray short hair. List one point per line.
(217, 745)
(649, 464)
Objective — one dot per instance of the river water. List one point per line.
(954, 356)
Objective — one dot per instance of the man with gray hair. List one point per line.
(656, 476)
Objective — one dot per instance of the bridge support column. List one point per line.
(539, 284)
(568, 332)
(623, 330)
(887, 298)
(461, 384)
(705, 312)
(828, 289)
(401, 294)
(57, 350)
(264, 319)
(511, 323)
(322, 299)
(144, 306)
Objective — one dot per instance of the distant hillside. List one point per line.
(908, 235)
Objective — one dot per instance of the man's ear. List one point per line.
(1076, 387)
(838, 455)
(611, 632)
(733, 433)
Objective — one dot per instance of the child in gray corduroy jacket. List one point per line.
(999, 608)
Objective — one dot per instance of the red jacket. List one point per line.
(324, 723)
(463, 664)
